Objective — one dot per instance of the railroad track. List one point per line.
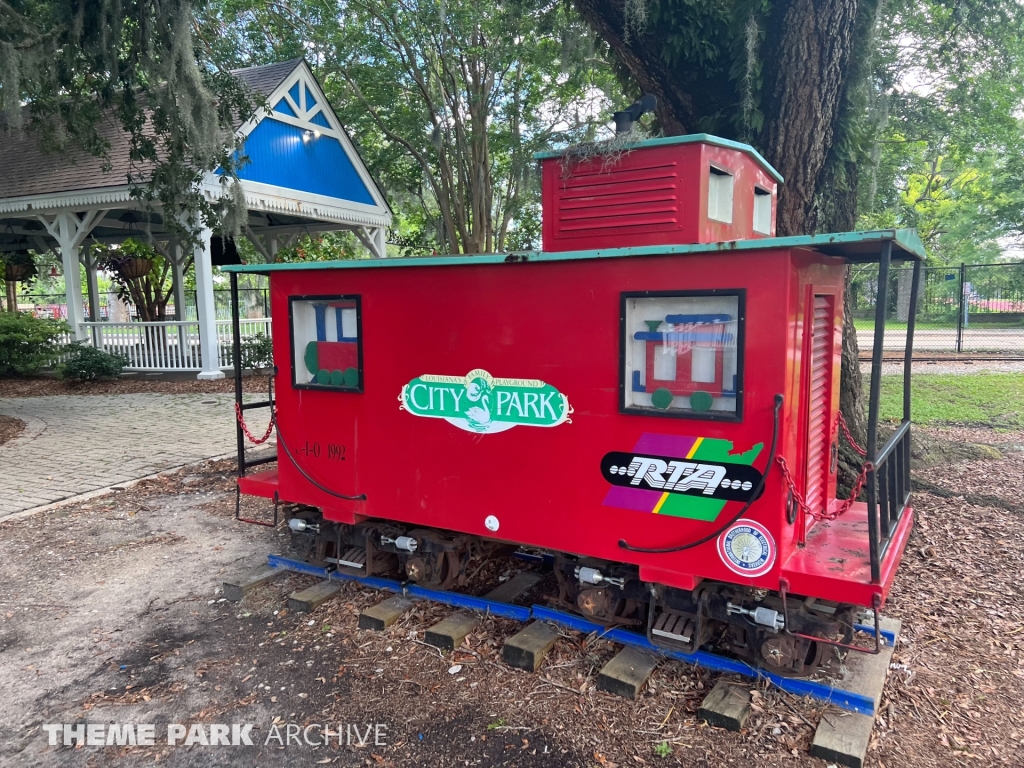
(858, 692)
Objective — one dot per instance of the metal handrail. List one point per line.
(890, 444)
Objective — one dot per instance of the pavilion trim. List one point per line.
(304, 176)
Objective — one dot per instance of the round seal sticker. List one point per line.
(747, 549)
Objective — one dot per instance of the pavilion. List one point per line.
(303, 176)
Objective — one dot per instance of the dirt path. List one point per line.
(110, 613)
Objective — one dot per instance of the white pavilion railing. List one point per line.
(168, 346)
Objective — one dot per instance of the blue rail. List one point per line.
(849, 700)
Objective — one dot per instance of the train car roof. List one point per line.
(692, 138)
(854, 247)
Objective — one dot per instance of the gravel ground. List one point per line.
(110, 613)
(923, 368)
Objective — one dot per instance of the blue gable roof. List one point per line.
(282, 155)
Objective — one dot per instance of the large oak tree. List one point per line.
(785, 75)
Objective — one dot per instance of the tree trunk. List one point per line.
(676, 111)
(12, 296)
(815, 57)
(837, 212)
(806, 56)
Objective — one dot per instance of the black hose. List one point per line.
(753, 496)
(281, 442)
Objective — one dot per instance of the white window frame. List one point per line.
(762, 211)
(721, 189)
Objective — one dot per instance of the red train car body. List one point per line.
(625, 407)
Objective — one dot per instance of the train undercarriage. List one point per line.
(787, 635)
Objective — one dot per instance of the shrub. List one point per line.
(257, 352)
(89, 364)
(28, 343)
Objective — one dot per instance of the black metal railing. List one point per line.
(241, 407)
(888, 482)
(888, 491)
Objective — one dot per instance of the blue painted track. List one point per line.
(849, 700)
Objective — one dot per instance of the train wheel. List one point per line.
(437, 570)
(790, 656)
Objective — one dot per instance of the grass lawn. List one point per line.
(990, 399)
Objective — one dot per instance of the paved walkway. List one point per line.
(977, 338)
(73, 444)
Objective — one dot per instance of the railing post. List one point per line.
(908, 355)
(882, 299)
(237, 360)
(961, 310)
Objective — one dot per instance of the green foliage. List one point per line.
(257, 352)
(149, 293)
(449, 101)
(948, 86)
(664, 749)
(68, 67)
(87, 363)
(26, 262)
(329, 246)
(28, 343)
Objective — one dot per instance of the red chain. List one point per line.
(841, 421)
(245, 429)
(857, 486)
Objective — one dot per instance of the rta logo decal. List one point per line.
(709, 479)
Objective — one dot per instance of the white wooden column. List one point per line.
(380, 240)
(70, 230)
(206, 309)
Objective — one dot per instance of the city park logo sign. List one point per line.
(481, 403)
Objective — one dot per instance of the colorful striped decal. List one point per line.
(689, 455)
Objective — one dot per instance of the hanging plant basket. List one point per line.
(131, 268)
(16, 272)
(19, 268)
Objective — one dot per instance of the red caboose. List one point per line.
(659, 412)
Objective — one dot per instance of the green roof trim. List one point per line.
(693, 138)
(852, 246)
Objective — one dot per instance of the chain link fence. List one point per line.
(971, 308)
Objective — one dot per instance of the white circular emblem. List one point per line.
(491, 523)
(747, 548)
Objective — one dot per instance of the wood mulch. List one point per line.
(10, 428)
(41, 386)
(952, 699)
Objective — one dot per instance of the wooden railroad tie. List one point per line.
(527, 648)
(843, 737)
(626, 674)
(449, 633)
(381, 616)
(308, 600)
(727, 706)
(247, 582)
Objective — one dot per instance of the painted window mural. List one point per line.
(682, 354)
(326, 339)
